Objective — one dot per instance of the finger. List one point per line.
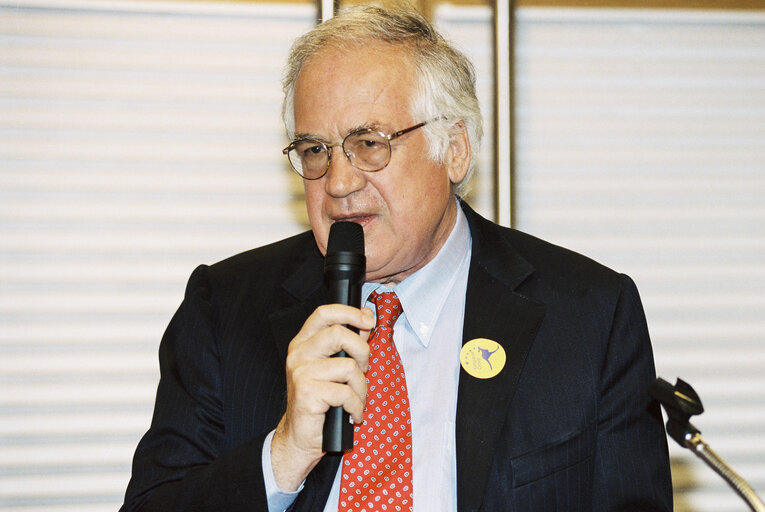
(358, 384)
(363, 332)
(342, 395)
(311, 378)
(320, 337)
(322, 395)
(328, 342)
(338, 314)
(360, 350)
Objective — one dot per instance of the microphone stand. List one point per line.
(681, 402)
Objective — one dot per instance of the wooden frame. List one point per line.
(427, 6)
(650, 4)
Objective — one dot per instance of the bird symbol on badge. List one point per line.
(482, 358)
(486, 354)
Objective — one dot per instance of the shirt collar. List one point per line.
(424, 293)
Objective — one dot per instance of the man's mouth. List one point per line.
(362, 219)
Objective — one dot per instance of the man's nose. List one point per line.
(342, 177)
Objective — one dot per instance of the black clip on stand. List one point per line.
(681, 402)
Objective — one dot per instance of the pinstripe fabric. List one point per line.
(566, 426)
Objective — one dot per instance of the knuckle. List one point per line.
(321, 310)
(293, 360)
(349, 366)
(348, 394)
(298, 374)
(337, 330)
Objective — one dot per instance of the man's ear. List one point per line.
(457, 159)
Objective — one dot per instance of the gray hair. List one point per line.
(445, 78)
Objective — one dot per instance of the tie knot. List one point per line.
(387, 307)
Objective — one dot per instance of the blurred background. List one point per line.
(140, 138)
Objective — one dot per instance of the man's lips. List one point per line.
(359, 218)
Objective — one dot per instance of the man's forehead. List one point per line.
(343, 91)
(389, 62)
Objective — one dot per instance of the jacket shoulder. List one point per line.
(545, 262)
(276, 259)
(261, 274)
(547, 256)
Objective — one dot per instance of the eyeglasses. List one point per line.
(366, 149)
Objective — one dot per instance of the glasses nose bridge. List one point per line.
(348, 154)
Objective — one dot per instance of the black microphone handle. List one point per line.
(344, 286)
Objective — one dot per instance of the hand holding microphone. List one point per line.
(314, 377)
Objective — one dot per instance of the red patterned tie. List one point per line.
(377, 472)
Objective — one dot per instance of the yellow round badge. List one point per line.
(482, 358)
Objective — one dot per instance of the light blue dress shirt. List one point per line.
(428, 336)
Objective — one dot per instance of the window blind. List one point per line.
(137, 140)
(641, 143)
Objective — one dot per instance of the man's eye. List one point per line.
(309, 150)
(369, 144)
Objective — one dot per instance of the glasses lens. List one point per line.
(368, 150)
(309, 158)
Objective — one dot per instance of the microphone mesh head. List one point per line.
(345, 237)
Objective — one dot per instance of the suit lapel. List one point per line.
(495, 311)
(303, 292)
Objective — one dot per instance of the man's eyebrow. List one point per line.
(300, 136)
(373, 125)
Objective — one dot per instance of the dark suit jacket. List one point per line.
(567, 425)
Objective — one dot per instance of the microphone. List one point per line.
(344, 269)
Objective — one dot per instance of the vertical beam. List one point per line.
(503, 110)
(326, 9)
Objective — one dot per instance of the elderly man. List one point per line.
(498, 372)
